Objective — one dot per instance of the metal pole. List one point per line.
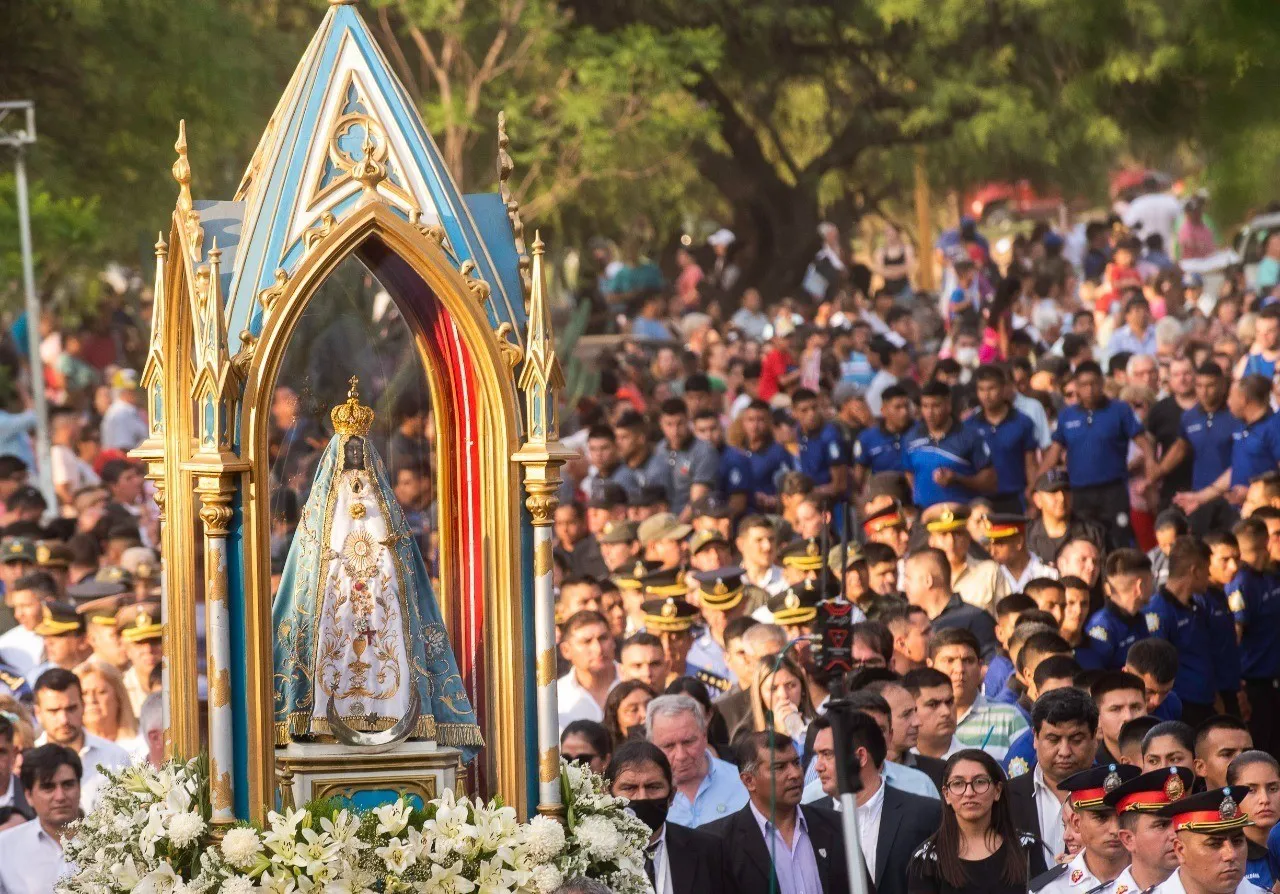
(44, 460)
(852, 843)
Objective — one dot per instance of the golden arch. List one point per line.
(502, 656)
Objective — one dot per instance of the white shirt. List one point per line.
(1076, 880)
(773, 583)
(1034, 410)
(6, 799)
(661, 864)
(869, 826)
(1124, 884)
(21, 649)
(70, 469)
(96, 753)
(30, 860)
(875, 391)
(1049, 812)
(576, 703)
(1155, 212)
(1173, 885)
(1035, 568)
(123, 426)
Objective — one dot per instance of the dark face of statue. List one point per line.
(353, 457)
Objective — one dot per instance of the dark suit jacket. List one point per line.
(697, 861)
(734, 707)
(905, 822)
(929, 766)
(749, 870)
(1021, 792)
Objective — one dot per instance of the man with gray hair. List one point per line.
(580, 884)
(707, 788)
(758, 642)
(151, 731)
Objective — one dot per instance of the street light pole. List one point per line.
(19, 140)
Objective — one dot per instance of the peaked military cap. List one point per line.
(1217, 810)
(1003, 525)
(59, 619)
(721, 589)
(804, 553)
(1150, 791)
(705, 538)
(665, 582)
(140, 622)
(797, 604)
(631, 578)
(670, 615)
(942, 518)
(888, 517)
(617, 532)
(1088, 788)
(18, 549)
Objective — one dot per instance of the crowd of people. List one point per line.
(1051, 494)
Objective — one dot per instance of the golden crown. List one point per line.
(352, 417)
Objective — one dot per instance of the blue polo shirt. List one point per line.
(819, 452)
(1254, 598)
(880, 450)
(1097, 442)
(1021, 756)
(1227, 650)
(961, 449)
(753, 471)
(1190, 628)
(1256, 449)
(1009, 442)
(1211, 436)
(1109, 633)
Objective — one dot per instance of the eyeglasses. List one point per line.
(579, 758)
(980, 785)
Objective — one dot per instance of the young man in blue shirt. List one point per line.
(1120, 623)
(1255, 448)
(1254, 598)
(1010, 438)
(749, 477)
(879, 448)
(1206, 434)
(824, 454)
(944, 460)
(1095, 433)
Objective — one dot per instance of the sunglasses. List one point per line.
(584, 758)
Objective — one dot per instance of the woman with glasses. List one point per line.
(624, 710)
(977, 850)
(586, 742)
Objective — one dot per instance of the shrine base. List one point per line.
(420, 771)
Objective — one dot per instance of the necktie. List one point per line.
(648, 865)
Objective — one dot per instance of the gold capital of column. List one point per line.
(542, 504)
(215, 506)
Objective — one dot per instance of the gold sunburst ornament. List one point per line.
(360, 554)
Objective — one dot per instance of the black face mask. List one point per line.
(651, 811)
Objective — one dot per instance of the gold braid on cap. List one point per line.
(352, 417)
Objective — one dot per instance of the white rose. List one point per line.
(185, 829)
(545, 838)
(241, 847)
(547, 878)
(598, 837)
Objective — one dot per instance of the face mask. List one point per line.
(967, 356)
(651, 811)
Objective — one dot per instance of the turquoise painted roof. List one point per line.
(292, 180)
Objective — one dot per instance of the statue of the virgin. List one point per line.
(361, 654)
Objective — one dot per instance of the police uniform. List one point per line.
(722, 590)
(797, 605)
(822, 451)
(1254, 599)
(980, 582)
(704, 538)
(1109, 633)
(1087, 791)
(13, 683)
(1190, 628)
(60, 619)
(1208, 813)
(1255, 449)
(1211, 437)
(1145, 794)
(53, 555)
(671, 614)
(880, 450)
(803, 554)
(754, 472)
(138, 623)
(960, 449)
(1009, 441)
(1097, 445)
(882, 519)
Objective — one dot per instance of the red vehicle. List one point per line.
(1020, 200)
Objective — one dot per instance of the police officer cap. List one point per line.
(710, 506)
(798, 604)
(942, 518)
(617, 532)
(1150, 791)
(722, 588)
(669, 615)
(1003, 525)
(1053, 480)
(630, 578)
(60, 618)
(1088, 788)
(804, 553)
(1213, 811)
(18, 549)
(705, 538)
(664, 582)
(607, 495)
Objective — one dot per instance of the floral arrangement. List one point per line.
(150, 834)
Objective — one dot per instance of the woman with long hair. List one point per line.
(977, 849)
(108, 712)
(781, 700)
(624, 709)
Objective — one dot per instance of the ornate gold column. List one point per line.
(542, 455)
(216, 492)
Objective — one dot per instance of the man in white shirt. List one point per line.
(1156, 211)
(124, 426)
(70, 472)
(12, 801)
(585, 642)
(757, 544)
(891, 823)
(60, 710)
(1006, 541)
(31, 854)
